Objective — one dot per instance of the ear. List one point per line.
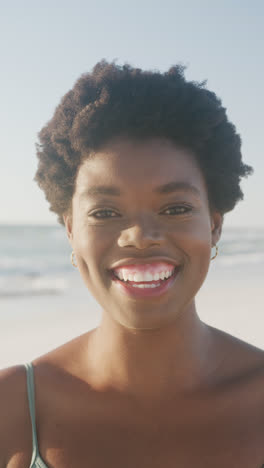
(217, 220)
(68, 226)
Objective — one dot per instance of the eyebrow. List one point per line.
(168, 188)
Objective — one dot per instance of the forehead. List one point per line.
(136, 164)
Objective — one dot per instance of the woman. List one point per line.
(141, 168)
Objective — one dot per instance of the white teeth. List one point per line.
(148, 276)
(142, 286)
(143, 276)
(138, 277)
(122, 275)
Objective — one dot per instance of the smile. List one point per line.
(152, 288)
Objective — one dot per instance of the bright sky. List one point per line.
(46, 46)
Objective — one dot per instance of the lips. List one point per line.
(150, 262)
(128, 288)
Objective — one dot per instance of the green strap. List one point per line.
(31, 400)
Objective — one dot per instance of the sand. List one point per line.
(230, 299)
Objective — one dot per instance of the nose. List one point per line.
(141, 234)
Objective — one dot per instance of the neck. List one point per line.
(152, 363)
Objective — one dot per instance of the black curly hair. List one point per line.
(114, 101)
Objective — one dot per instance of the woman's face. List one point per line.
(140, 223)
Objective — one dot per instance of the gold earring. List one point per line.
(216, 252)
(73, 260)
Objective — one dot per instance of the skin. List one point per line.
(147, 347)
(152, 385)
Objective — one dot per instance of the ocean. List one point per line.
(41, 291)
(35, 260)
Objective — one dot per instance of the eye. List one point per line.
(103, 211)
(181, 209)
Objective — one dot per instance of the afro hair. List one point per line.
(114, 101)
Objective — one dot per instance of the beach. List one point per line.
(44, 302)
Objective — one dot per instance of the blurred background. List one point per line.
(44, 48)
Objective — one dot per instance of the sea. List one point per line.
(35, 260)
(41, 292)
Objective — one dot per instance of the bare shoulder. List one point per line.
(70, 357)
(241, 354)
(240, 361)
(15, 424)
(242, 369)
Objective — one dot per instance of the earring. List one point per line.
(216, 252)
(73, 260)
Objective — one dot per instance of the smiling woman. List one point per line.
(140, 167)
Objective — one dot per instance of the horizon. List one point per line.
(40, 67)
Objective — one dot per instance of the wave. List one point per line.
(249, 259)
(35, 260)
(32, 285)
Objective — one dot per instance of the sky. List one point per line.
(46, 46)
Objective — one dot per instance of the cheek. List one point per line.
(196, 243)
(92, 248)
(88, 238)
(197, 253)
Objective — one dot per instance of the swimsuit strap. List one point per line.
(31, 400)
